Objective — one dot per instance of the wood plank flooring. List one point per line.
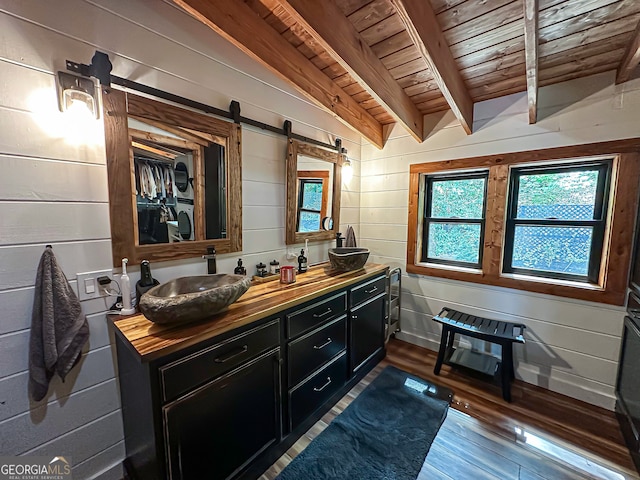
(540, 435)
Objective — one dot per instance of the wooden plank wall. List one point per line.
(572, 346)
(53, 189)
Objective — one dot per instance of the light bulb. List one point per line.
(347, 171)
(79, 104)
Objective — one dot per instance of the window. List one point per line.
(313, 197)
(556, 220)
(453, 228)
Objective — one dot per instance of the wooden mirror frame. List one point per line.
(294, 149)
(117, 107)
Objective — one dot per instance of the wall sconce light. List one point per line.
(77, 94)
(347, 169)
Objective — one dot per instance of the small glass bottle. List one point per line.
(302, 262)
(274, 267)
(240, 270)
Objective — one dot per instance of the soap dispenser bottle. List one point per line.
(240, 270)
(125, 286)
(146, 281)
(302, 262)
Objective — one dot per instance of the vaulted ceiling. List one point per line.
(374, 63)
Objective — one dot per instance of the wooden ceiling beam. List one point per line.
(422, 25)
(630, 59)
(335, 33)
(236, 22)
(531, 56)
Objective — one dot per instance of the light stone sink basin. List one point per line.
(348, 258)
(188, 299)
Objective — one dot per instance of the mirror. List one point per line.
(174, 180)
(313, 192)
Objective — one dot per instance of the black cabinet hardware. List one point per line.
(316, 389)
(231, 355)
(318, 347)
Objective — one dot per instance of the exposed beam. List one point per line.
(235, 21)
(531, 56)
(422, 26)
(333, 31)
(631, 57)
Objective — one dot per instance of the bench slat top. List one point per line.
(480, 325)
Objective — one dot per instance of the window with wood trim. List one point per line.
(556, 220)
(573, 241)
(453, 228)
(313, 198)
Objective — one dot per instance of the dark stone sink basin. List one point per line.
(348, 258)
(188, 299)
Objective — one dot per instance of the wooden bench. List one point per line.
(493, 331)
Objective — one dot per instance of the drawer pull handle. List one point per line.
(320, 315)
(316, 389)
(226, 358)
(318, 347)
(374, 289)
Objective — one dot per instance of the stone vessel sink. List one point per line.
(348, 258)
(188, 299)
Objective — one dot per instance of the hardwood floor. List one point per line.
(540, 435)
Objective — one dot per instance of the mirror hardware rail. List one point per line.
(101, 66)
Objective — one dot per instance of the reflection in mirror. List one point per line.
(174, 180)
(166, 196)
(315, 182)
(313, 192)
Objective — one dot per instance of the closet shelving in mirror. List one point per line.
(190, 164)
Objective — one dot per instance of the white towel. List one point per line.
(58, 328)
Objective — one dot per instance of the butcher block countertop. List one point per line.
(151, 341)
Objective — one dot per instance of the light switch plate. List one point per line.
(88, 287)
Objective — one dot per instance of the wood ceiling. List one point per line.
(374, 63)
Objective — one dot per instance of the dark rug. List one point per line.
(385, 433)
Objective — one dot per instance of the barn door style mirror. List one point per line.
(174, 180)
(313, 192)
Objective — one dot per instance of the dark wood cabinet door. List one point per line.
(366, 330)
(217, 429)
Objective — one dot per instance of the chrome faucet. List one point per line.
(211, 260)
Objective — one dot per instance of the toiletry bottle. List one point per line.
(302, 262)
(146, 281)
(240, 270)
(125, 286)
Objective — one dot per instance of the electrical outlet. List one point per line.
(88, 286)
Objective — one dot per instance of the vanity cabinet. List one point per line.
(223, 400)
(317, 360)
(212, 409)
(366, 322)
(223, 425)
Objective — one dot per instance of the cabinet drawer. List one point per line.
(367, 291)
(310, 352)
(312, 394)
(312, 316)
(187, 373)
